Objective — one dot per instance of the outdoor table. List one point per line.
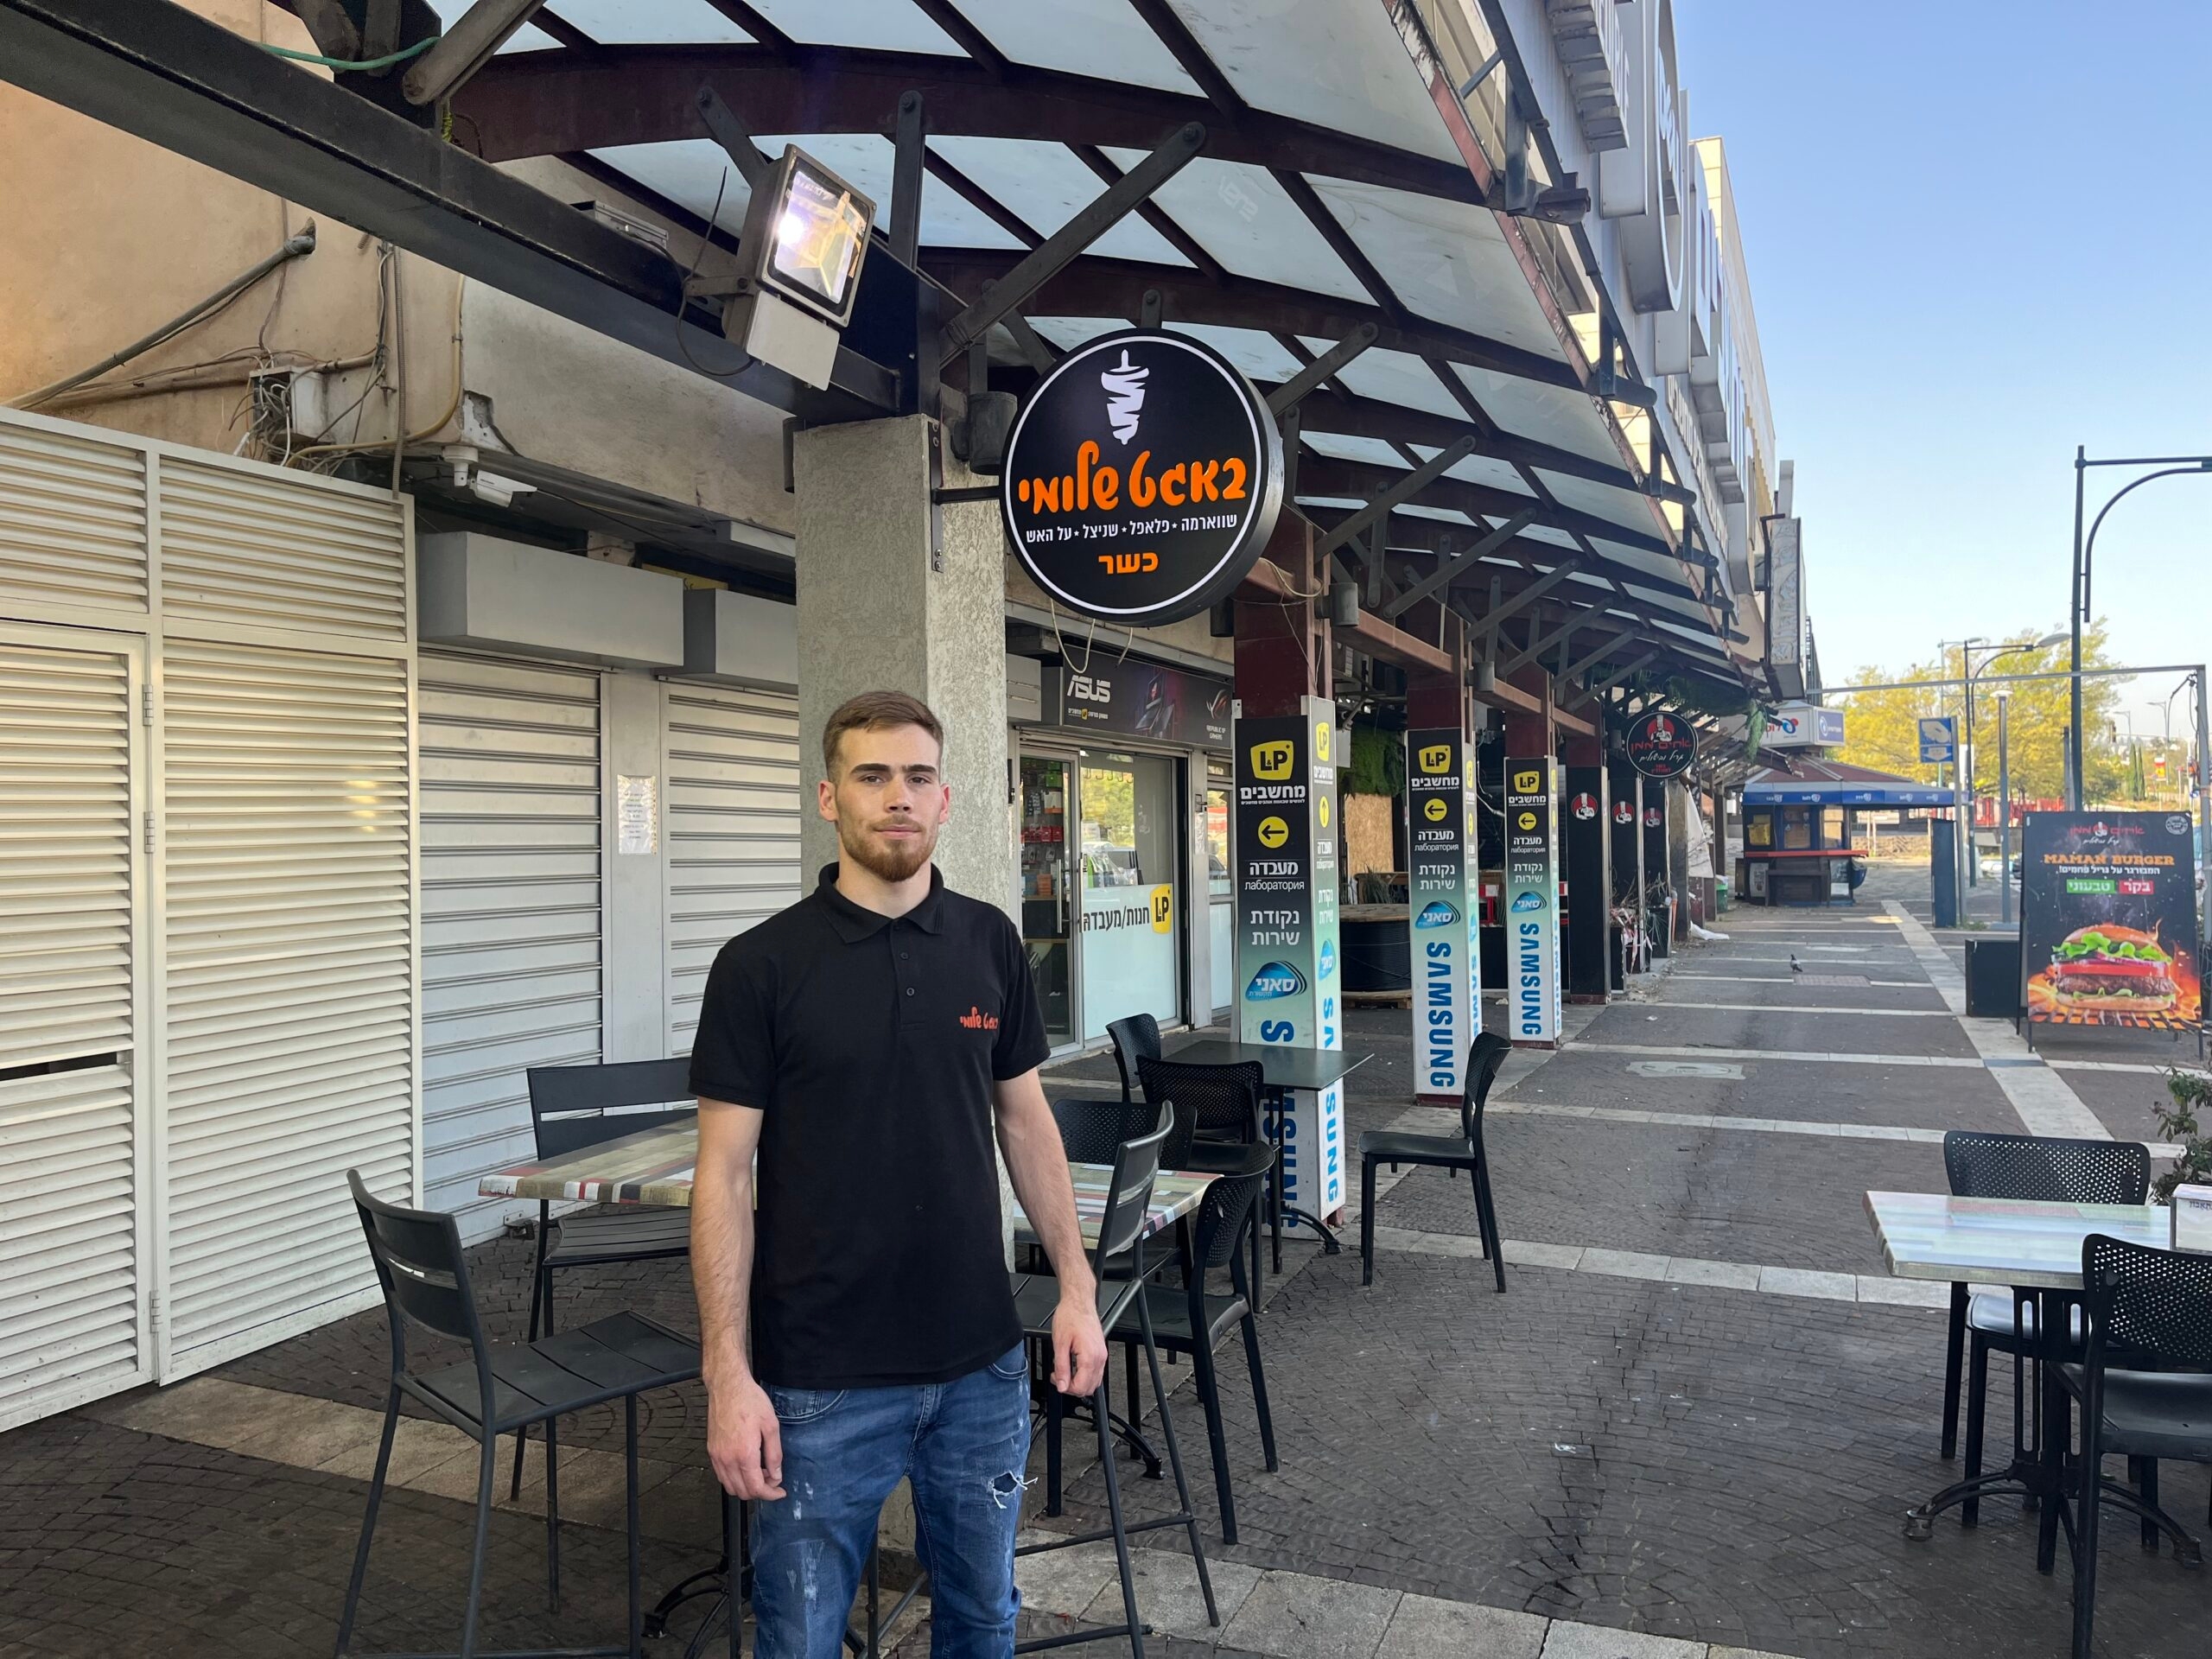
(1283, 1070)
(2031, 1245)
(658, 1167)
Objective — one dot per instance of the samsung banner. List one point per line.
(1286, 950)
(1446, 963)
(1532, 1000)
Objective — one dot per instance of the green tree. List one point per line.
(1881, 728)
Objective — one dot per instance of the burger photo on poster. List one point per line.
(2108, 966)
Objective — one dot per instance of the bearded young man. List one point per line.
(865, 1041)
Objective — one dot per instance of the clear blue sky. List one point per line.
(1977, 235)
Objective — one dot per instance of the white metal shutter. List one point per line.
(73, 520)
(73, 1273)
(511, 941)
(730, 760)
(252, 546)
(289, 983)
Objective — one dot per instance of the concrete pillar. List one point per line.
(1585, 827)
(880, 608)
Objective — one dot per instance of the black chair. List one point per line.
(1036, 1297)
(572, 1107)
(1136, 1036)
(1093, 1131)
(2149, 1313)
(502, 1387)
(1190, 1319)
(1216, 1115)
(1462, 1151)
(2052, 1171)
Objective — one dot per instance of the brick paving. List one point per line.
(1720, 1465)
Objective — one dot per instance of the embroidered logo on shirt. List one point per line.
(976, 1020)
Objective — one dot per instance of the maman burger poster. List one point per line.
(2109, 920)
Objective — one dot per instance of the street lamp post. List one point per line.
(1971, 674)
(2168, 466)
(2004, 815)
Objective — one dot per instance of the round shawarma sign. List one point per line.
(1660, 745)
(1143, 479)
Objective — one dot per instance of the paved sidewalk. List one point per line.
(1689, 1431)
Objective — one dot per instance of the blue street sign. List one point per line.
(1939, 740)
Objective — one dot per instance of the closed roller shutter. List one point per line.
(289, 984)
(732, 816)
(73, 1273)
(511, 955)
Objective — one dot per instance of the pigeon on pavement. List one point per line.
(1795, 966)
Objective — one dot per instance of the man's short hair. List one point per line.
(876, 711)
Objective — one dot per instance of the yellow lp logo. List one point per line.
(1271, 761)
(1437, 809)
(1435, 758)
(1528, 782)
(1273, 832)
(1163, 909)
(1321, 741)
(1527, 820)
(1324, 804)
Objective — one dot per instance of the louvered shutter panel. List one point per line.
(511, 813)
(71, 1271)
(731, 772)
(73, 520)
(252, 546)
(289, 982)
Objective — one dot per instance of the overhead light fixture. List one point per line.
(799, 260)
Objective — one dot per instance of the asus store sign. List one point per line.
(1143, 479)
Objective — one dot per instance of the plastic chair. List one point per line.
(2041, 1167)
(1217, 1111)
(572, 1107)
(1036, 1297)
(503, 1388)
(1190, 1319)
(1136, 1036)
(2147, 1308)
(1464, 1151)
(1092, 1131)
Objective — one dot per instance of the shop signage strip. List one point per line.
(1532, 993)
(1442, 917)
(1147, 700)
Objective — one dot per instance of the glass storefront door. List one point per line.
(1221, 896)
(1046, 898)
(1132, 959)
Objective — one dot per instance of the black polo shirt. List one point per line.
(871, 1045)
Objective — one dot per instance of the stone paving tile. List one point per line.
(1569, 1640)
(1692, 1462)
(1169, 1597)
(1726, 1028)
(1426, 1628)
(1943, 1098)
(2123, 1100)
(1776, 985)
(1793, 1201)
(1290, 1614)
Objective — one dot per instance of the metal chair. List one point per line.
(1136, 1036)
(1218, 1115)
(503, 1388)
(572, 1107)
(2150, 1309)
(1464, 1151)
(1190, 1319)
(2053, 1171)
(1036, 1297)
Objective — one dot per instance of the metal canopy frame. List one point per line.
(181, 81)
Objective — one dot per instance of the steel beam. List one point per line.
(1627, 632)
(1390, 492)
(1617, 676)
(1099, 288)
(176, 80)
(1448, 568)
(733, 139)
(1294, 389)
(1328, 475)
(1537, 647)
(541, 104)
(911, 150)
(1480, 628)
(465, 47)
(1059, 249)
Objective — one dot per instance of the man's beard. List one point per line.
(888, 861)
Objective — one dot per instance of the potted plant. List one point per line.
(2183, 1123)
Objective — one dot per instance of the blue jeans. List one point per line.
(961, 1444)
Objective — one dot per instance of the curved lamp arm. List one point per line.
(2089, 547)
